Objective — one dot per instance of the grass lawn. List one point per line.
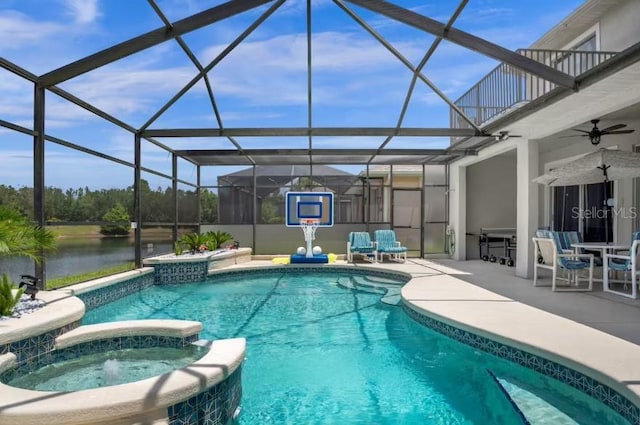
(83, 277)
(93, 231)
(80, 231)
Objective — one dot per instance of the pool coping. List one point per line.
(148, 327)
(68, 309)
(216, 259)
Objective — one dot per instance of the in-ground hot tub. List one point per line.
(191, 391)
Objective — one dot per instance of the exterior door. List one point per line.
(407, 219)
(583, 208)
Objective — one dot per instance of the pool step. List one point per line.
(532, 409)
(389, 289)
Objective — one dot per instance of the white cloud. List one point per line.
(23, 31)
(82, 11)
(125, 91)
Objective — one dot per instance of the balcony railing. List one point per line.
(506, 87)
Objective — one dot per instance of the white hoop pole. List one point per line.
(309, 230)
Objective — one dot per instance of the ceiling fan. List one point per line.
(595, 133)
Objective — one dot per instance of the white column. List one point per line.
(458, 208)
(527, 199)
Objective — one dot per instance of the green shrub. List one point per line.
(116, 214)
(8, 299)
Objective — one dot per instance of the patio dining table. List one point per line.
(602, 247)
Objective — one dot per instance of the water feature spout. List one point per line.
(30, 284)
(111, 369)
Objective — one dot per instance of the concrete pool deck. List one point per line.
(594, 333)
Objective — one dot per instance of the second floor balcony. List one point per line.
(507, 88)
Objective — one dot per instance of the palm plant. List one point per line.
(217, 238)
(8, 299)
(18, 237)
(193, 241)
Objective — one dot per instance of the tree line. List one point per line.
(86, 205)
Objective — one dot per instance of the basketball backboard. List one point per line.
(309, 205)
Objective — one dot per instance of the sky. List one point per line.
(356, 81)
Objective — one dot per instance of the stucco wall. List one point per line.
(491, 197)
(620, 27)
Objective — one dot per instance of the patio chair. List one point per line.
(576, 237)
(360, 243)
(551, 257)
(623, 263)
(386, 244)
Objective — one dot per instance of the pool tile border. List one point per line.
(304, 269)
(187, 272)
(566, 375)
(97, 297)
(30, 350)
(217, 405)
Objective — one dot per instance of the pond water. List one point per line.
(75, 256)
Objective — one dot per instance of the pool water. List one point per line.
(318, 353)
(108, 368)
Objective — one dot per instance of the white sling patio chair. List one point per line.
(360, 243)
(548, 255)
(386, 244)
(624, 263)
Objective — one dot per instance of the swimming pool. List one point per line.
(318, 352)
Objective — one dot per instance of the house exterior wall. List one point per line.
(472, 188)
(620, 27)
(491, 197)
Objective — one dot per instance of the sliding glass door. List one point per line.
(566, 199)
(583, 208)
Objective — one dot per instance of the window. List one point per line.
(584, 61)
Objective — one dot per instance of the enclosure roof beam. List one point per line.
(194, 153)
(12, 67)
(18, 128)
(318, 131)
(467, 40)
(89, 107)
(150, 39)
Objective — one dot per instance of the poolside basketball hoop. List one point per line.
(309, 226)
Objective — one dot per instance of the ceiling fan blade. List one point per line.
(581, 131)
(618, 132)
(574, 135)
(613, 127)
